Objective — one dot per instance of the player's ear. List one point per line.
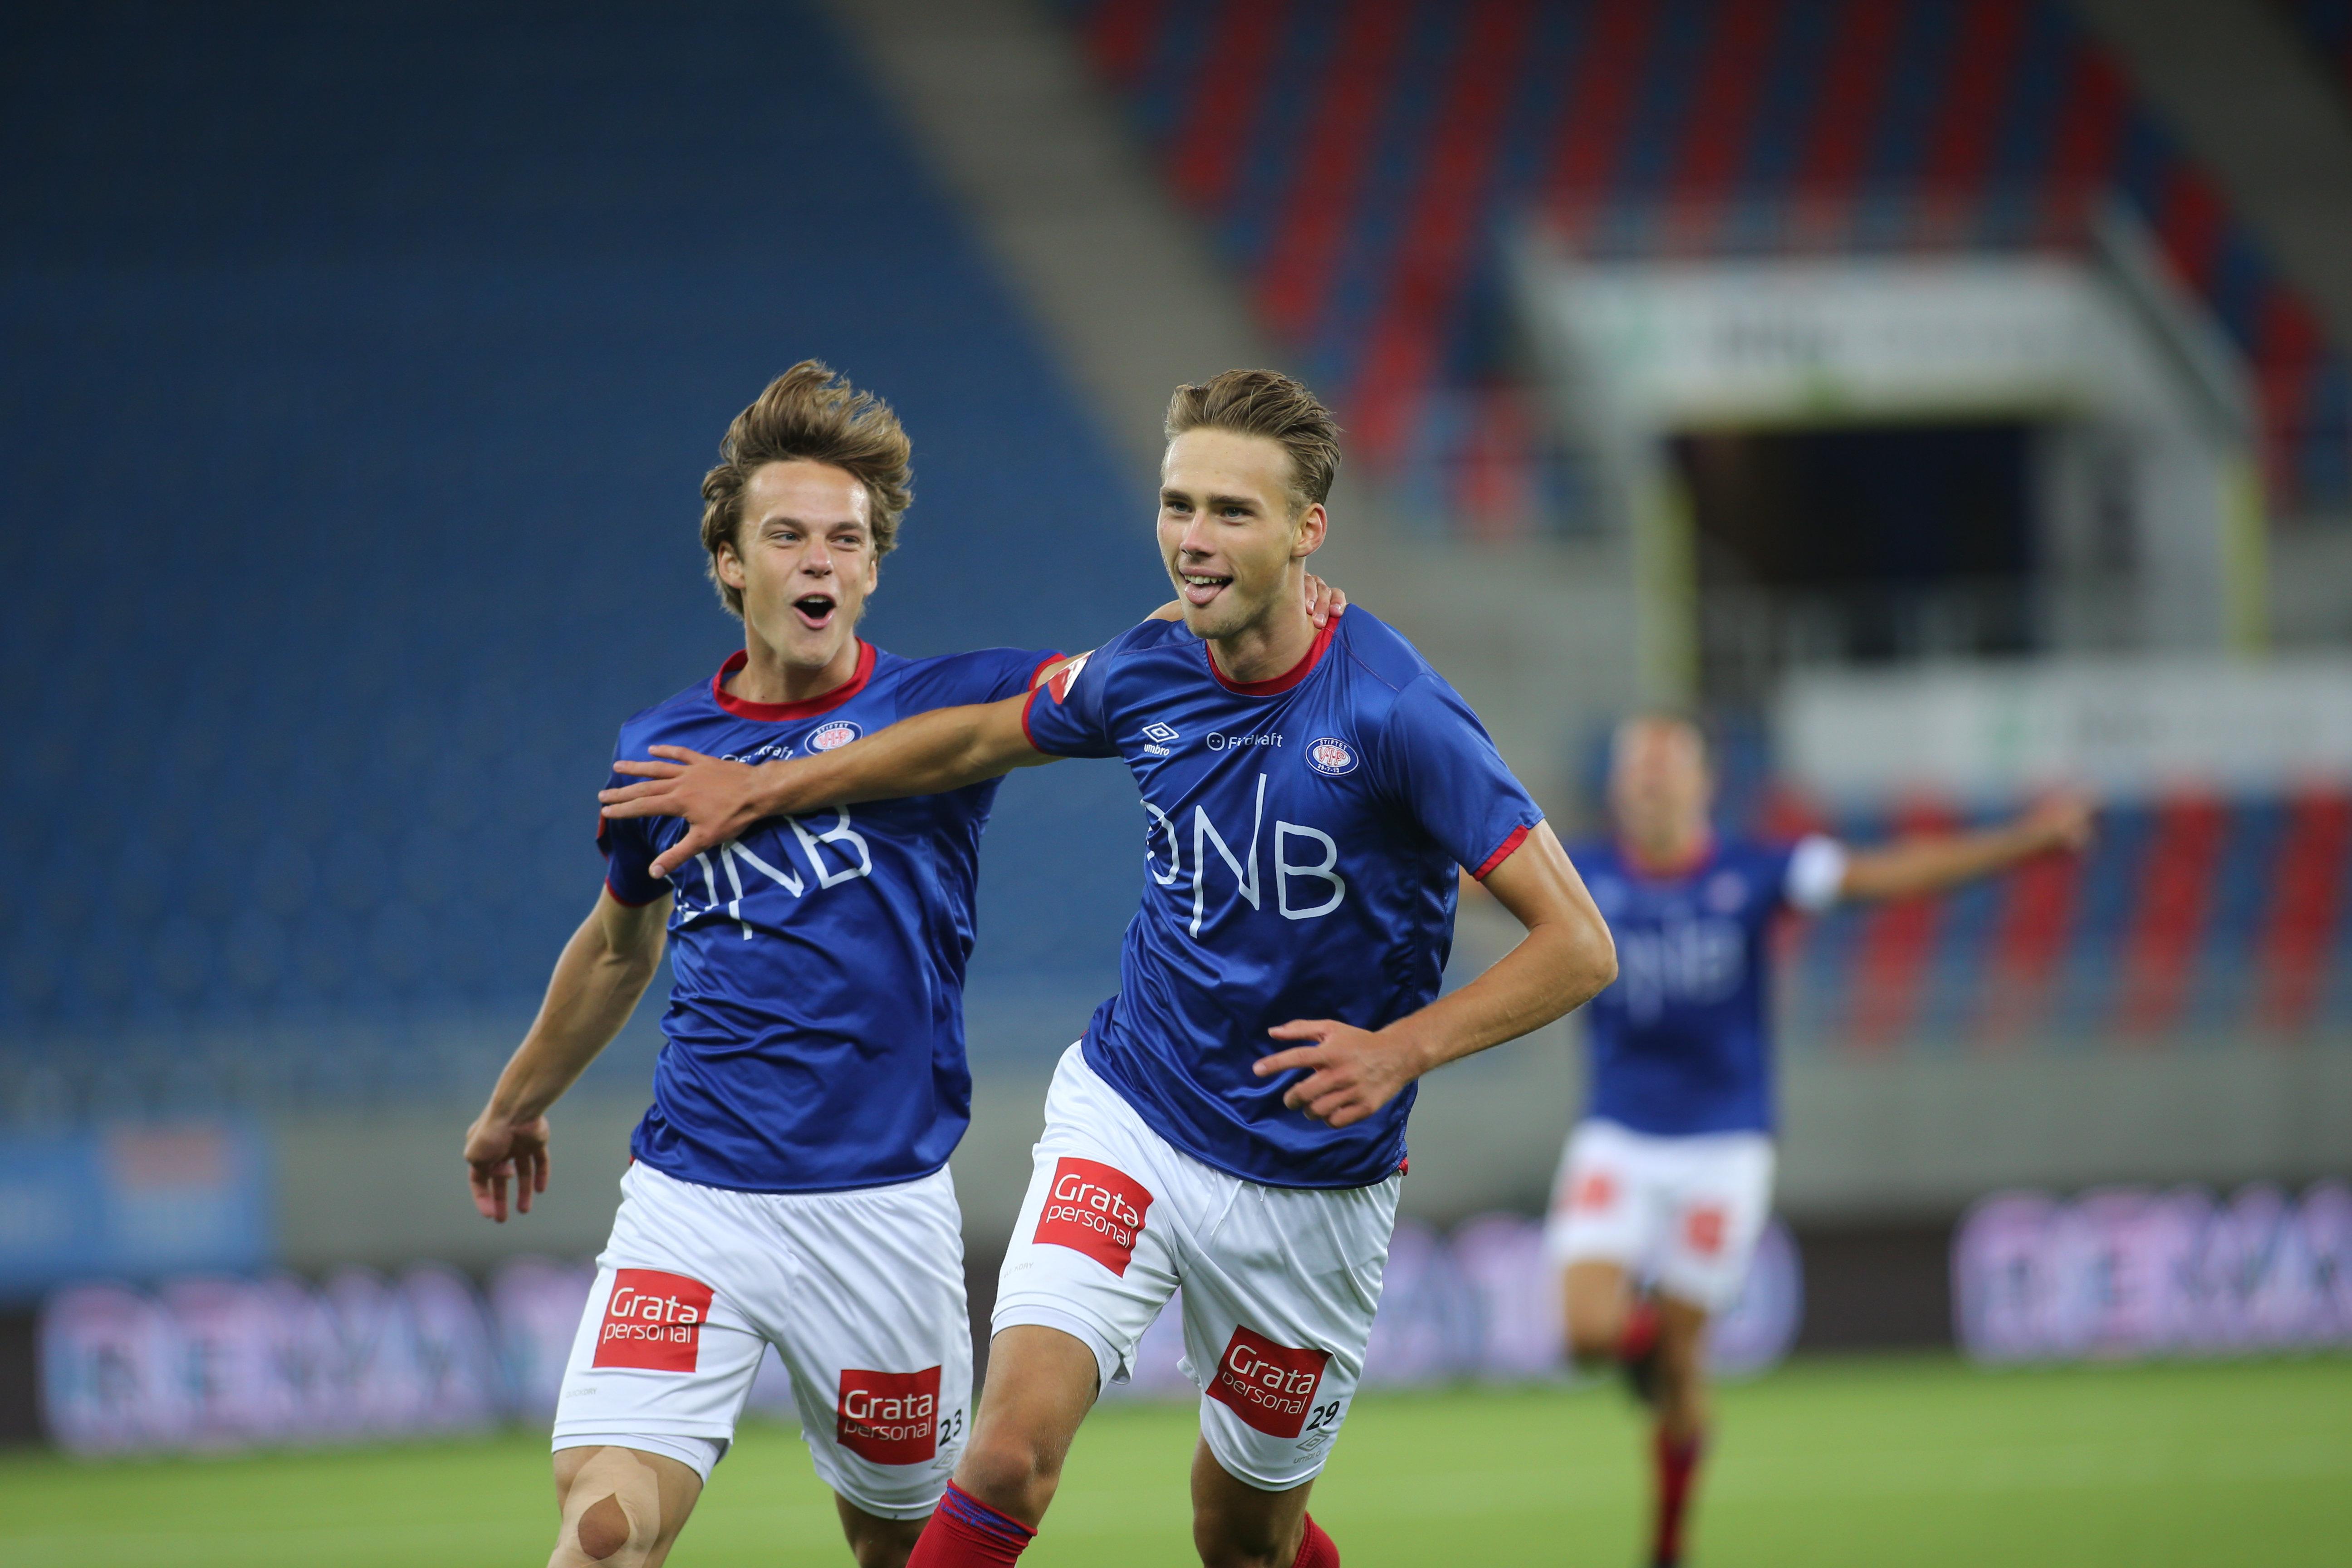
(1310, 532)
(728, 565)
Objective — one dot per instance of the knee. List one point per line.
(1595, 1303)
(612, 1516)
(1594, 1329)
(1590, 1342)
(607, 1532)
(1010, 1473)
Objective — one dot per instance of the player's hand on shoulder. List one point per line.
(717, 799)
(1325, 602)
(498, 1150)
(1351, 1072)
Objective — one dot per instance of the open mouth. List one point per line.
(1199, 587)
(815, 610)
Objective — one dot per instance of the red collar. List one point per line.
(785, 712)
(1287, 679)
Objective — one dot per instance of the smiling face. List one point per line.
(1227, 532)
(804, 561)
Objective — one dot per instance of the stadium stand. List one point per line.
(1359, 163)
(310, 687)
(355, 419)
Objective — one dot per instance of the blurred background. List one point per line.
(1947, 397)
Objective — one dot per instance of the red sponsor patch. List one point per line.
(1597, 1190)
(1703, 1228)
(890, 1417)
(653, 1322)
(1270, 1386)
(1096, 1209)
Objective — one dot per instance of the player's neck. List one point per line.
(1672, 855)
(1268, 648)
(767, 677)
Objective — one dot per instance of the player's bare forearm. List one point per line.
(1930, 863)
(599, 978)
(1566, 958)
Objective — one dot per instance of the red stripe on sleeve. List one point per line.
(1519, 836)
(1027, 734)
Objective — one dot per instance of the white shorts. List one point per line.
(861, 1292)
(1279, 1283)
(1684, 1212)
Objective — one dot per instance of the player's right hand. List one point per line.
(718, 800)
(497, 1151)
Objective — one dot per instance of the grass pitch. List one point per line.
(1924, 1462)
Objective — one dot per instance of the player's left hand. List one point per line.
(1325, 603)
(1352, 1072)
(2063, 822)
(718, 800)
(498, 1150)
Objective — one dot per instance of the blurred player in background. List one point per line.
(789, 1185)
(1667, 1181)
(1307, 796)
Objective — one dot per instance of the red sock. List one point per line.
(1315, 1548)
(1677, 1462)
(965, 1533)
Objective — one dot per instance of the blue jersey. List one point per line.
(815, 1036)
(1680, 1043)
(1300, 840)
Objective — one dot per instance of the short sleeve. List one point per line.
(989, 675)
(627, 844)
(1445, 770)
(1067, 716)
(1816, 872)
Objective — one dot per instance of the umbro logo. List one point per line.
(1158, 738)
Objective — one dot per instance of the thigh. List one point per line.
(874, 1329)
(1278, 1303)
(1093, 1252)
(1604, 1204)
(1721, 1196)
(667, 1351)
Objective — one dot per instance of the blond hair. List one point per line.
(1270, 404)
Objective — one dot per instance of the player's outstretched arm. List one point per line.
(603, 970)
(944, 749)
(1929, 863)
(1566, 958)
